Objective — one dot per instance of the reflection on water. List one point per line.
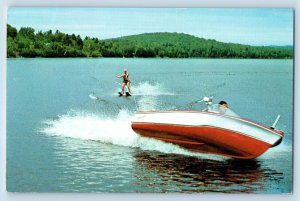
(191, 174)
(92, 166)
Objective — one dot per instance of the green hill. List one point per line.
(27, 43)
(179, 45)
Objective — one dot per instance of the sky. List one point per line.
(235, 25)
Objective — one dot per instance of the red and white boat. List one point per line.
(208, 131)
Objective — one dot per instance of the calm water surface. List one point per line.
(59, 139)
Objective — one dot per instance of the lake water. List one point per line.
(60, 139)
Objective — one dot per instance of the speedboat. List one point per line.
(208, 131)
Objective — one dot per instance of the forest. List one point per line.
(28, 43)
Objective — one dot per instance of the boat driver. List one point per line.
(223, 105)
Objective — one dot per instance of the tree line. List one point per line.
(26, 42)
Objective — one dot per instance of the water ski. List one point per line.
(126, 94)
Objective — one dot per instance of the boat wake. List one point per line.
(148, 96)
(117, 131)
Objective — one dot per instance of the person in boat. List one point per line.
(223, 106)
(126, 81)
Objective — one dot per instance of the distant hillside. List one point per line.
(27, 43)
(179, 45)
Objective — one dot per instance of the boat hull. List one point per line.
(207, 132)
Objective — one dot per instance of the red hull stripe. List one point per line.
(202, 126)
(218, 141)
(217, 114)
(180, 141)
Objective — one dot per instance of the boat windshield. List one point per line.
(216, 108)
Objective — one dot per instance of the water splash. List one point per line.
(148, 95)
(117, 131)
